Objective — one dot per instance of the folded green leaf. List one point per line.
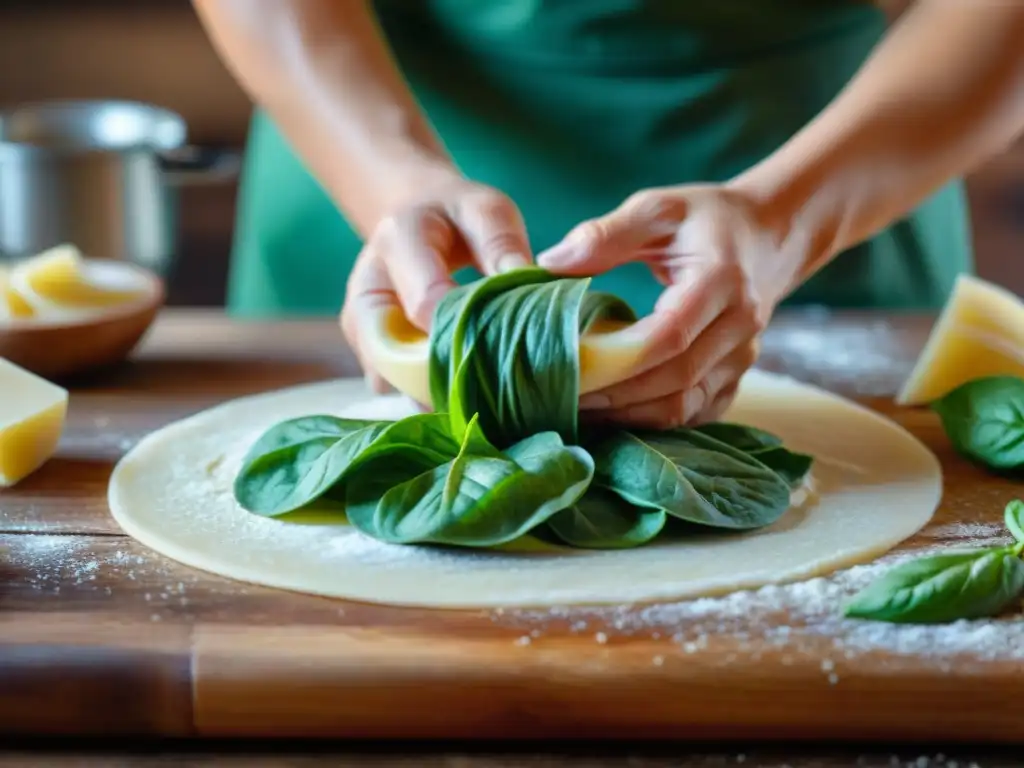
(469, 500)
(297, 462)
(944, 588)
(763, 446)
(984, 420)
(789, 465)
(507, 350)
(740, 436)
(1014, 517)
(691, 476)
(603, 520)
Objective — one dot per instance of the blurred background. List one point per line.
(155, 51)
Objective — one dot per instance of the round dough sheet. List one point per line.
(872, 486)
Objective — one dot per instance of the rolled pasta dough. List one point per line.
(872, 486)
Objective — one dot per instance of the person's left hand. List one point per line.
(726, 262)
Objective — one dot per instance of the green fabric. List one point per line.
(569, 106)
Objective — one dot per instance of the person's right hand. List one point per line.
(412, 253)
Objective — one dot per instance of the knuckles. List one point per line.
(590, 235)
(655, 205)
(489, 205)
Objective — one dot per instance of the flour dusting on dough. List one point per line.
(173, 492)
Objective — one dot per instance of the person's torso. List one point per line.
(569, 106)
(620, 35)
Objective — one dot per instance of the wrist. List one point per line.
(792, 203)
(415, 177)
(389, 178)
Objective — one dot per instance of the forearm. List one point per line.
(323, 71)
(943, 92)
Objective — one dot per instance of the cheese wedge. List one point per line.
(12, 305)
(61, 282)
(979, 333)
(32, 414)
(400, 352)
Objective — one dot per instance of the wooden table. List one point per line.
(100, 636)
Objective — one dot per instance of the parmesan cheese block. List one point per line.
(979, 333)
(400, 352)
(32, 412)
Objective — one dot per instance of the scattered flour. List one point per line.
(803, 617)
(86, 566)
(797, 618)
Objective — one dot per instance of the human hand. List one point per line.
(410, 256)
(725, 262)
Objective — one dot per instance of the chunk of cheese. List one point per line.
(32, 413)
(61, 281)
(400, 352)
(12, 304)
(979, 333)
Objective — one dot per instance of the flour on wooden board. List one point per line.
(791, 619)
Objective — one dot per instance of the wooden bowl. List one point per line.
(58, 347)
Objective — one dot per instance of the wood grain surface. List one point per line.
(99, 635)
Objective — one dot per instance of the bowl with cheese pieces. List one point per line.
(63, 314)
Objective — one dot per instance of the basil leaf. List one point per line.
(297, 462)
(1014, 517)
(789, 465)
(469, 500)
(602, 520)
(984, 420)
(763, 446)
(691, 476)
(943, 588)
(740, 436)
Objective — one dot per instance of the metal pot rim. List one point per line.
(90, 126)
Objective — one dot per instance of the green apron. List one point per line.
(569, 106)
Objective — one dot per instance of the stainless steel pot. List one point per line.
(102, 175)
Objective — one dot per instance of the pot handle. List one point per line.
(200, 166)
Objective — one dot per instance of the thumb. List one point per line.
(607, 241)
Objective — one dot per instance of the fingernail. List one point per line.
(558, 256)
(595, 401)
(510, 261)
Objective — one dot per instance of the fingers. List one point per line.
(683, 407)
(685, 311)
(726, 334)
(494, 231)
(646, 219)
(718, 408)
(414, 248)
(369, 288)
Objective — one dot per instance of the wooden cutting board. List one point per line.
(99, 635)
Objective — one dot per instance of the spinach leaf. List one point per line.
(1014, 517)
(944, 588)
(691, 476)
(789, 465)
(603, 520)
(763, 446)
(740, 436)
(469, 500)
(297, 462)
(984, 419)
